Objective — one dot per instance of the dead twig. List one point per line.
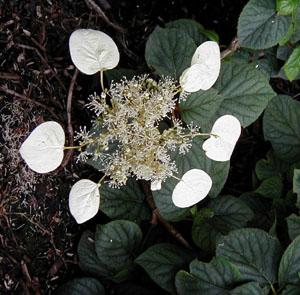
(92, 5)
(70, 152)
(156, 215)
(5, 89)
(9, 76)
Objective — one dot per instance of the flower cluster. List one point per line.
(129, 116)
(135, 128)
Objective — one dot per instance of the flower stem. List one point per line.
(101, 80)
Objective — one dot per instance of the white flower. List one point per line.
(156, 185)
(220, 147)
(43, 150)
(92, 51)
(204, 69)
(84, 200)
(193, 187)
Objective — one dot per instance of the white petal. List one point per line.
(43, 150)
(228, 130)
(204, 70)
(84, 200)
(155, 185)
(92, 51)
(193, 187)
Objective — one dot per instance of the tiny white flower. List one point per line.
(84, 200)
(156, 185)
(194, 186)
(220, 147)
(43, 150)
(92, 51)
(204, 69)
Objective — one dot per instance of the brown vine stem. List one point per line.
(92, 5)
(69, 152)
(156, 216)
(233, 46)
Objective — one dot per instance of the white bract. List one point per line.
(43, 150)
(156, 185)
(204, 69)
(228, 130)
(84, 200)
(92, 51)
(193, 187)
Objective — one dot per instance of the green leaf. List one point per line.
(291, 290)
(259, 26)
(246, 92)
(292, 65)
(261, 219)
(293, 222)
(251, 288)
(229, 213)
(190, 27)
(169, 51)
(281, 126)
(117, 242)
(82, 286)
(211, 35)
(288, 35)
(270, 167)
(195, 158)
(200, 107)
(271, 188)
(289, 264)
(124, 203)
(88, 259)
(162, 262)
(296, 181)
(213, 278)
(287, 6)
(254, 252)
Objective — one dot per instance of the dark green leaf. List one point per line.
(291, 290)
(288, 35)
(254, 252)
(117, 242)
(292, 65)
(289, 264)
(271, 188)
(169, 51)
(82, 286)
(296, 181)
(293, 222)
(88, 259)
(200, 107)
(124, 203)
(211, 35)
(116, 75)
(287, 6)
(246, 91)
(162, 262)
(229, 213)
(195, 158)
(282, 127)
(190, 27)
(270, 167)
(259, 25)
(251, 288)
(213, 278)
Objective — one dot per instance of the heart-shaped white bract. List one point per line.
(84, 200)
(194, 186)
(220, 148)
(204, 69)
(43, 150)
(92, 51)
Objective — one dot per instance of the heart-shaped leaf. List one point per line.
(93, 51)
(192, 188)
(84, 200)
(225, 133)
(43, 150)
